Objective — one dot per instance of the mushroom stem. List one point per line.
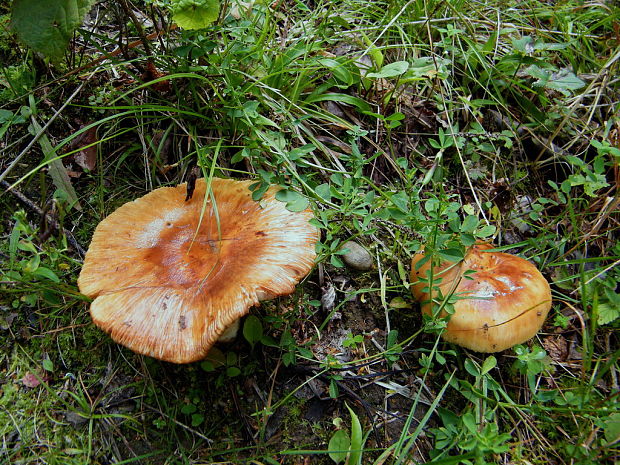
(230, 333)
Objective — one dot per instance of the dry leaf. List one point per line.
(86, 158)
(30, 381)
(151, 73)
(556, 347)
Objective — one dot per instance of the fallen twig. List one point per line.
(51, 221)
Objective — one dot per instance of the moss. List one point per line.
(29, 414)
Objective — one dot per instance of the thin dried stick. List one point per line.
(41, 132)
(50, 219)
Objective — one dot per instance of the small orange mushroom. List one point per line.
(503, 301)
(169, 276)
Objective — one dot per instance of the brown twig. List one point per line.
(51, 221)
(95, 62)
(145, 42)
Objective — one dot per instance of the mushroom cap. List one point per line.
(503, 302)
(166, 284)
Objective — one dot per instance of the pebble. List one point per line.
(357, 257)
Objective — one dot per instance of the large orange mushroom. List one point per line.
(501, 299)
(169, 276)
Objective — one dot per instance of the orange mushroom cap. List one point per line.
(166, 284)
(503, 302)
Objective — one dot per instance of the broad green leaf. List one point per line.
(14, 241)
(392, 338)
(195, 14)
(399, 302)
(337, 262)
(32, 264)
(300, 152)
(391, 70)
(607, 313)
(357, 439)
(340, 72)
(260, 119)
(471, 367)
(323, 191)
(252, 330)
(47, 26)
(46, 273)
(373, 51)
(231, 372)
(197, 419)
(231, 358)
(5, 115)
(306, 353)
(469, 421)
(488, 365)
(449, 418)
(452, 254)
(528, 45)
(612, 428)
(48, 365)
(467, 239)
(7, 118)
(214, 359)
(561, 80)
(333, 389)
(469, 224)
(26, 246)
(288, 359)
(401, 201)
(426, 68)
(295, 202)
(338, 446)
(524, 45)
(486, 231)
(269, 341)
(188, 409)
(207, 366)
(298, 205)
(342, 98)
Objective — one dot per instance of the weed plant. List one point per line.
(400, 124)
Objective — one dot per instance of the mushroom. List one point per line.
(501, 299)
(168, 277)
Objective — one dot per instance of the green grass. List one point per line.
(399, 124)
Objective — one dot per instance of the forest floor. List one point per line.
(399, 125)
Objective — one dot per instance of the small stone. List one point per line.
(357, 257)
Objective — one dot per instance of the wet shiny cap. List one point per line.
(168, 276)
(502, 299)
